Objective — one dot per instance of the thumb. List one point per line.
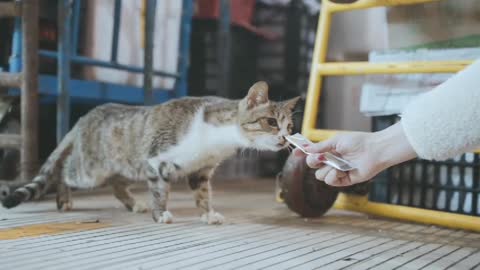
(322, 147)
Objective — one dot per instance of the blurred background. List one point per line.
(147, 52)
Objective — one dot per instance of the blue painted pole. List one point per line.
(223, 48)
(76, 26)
(116, 30)
(15, 61)
(181, 88)
(63, 73)
(148, 55)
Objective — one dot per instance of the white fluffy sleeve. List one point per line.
(445, 122)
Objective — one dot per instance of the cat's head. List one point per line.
(265, 123)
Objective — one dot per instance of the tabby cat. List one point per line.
(184, 138)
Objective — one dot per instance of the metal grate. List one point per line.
(451, 185)
(259, 234)
(236, 246)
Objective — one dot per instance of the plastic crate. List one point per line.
(451, 186)
(203, 72)
(241, 11)
(285, 62)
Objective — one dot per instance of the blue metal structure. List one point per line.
(65, 88)
(15, 61)
(223, 36)
(148, 55)
(63, 69)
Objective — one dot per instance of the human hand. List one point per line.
(370, 153)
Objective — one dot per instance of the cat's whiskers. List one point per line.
(296, 112)
(290, 148)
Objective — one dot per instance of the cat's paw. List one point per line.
(164, 217)
(64, 206)
(64, 198)
(212, 218)
(140, 207)
(169, 171)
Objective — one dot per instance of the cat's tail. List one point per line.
(45, 178)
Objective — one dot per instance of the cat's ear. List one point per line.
(257, 95)
(290, 104)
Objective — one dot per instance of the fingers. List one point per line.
(321, 147)
(329, 173)
(321, 173)
(325, 146)
(337, 178)
(333, 177)
(315, 161)
(298, 153)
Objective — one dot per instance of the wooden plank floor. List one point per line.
(259, 234)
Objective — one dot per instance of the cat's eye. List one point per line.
(272, 122)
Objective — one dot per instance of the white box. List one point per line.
(98, 41)
(389, 94)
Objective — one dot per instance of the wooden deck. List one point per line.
(259, 234)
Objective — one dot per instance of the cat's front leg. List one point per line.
(159, 185)
(199, 182)
(64, 197)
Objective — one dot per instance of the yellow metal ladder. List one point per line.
(320, 68)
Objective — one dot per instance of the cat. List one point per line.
(119, 145)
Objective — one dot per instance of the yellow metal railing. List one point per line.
(321, 68)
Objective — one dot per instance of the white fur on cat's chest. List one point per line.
(203, 145)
